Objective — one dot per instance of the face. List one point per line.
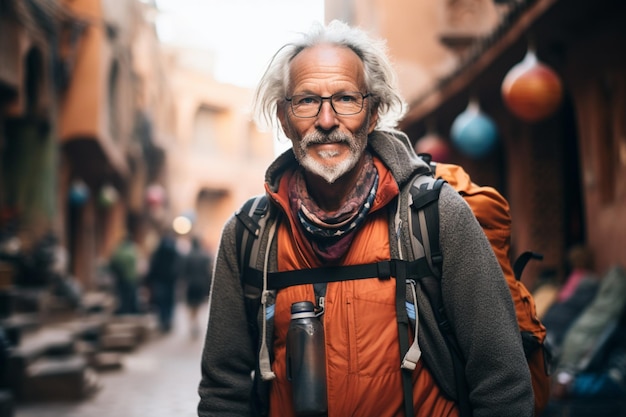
(328, 145)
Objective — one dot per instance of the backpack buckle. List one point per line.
(319, 309)
(384, 270)
(265, 295)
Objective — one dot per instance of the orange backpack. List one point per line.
(492, 212)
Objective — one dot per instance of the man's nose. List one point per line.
(327, 118)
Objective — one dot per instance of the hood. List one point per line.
(391, 146)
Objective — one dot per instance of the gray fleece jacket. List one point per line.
(475, 295)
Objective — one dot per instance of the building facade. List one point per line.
(217, 157)
(107, 132)
(560, 173)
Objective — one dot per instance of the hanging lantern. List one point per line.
(79, 193)
(473, 132)
(531, 90)
(108, 196)
(433, 144)
(155, 195)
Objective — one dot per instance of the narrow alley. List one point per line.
(159, 379)
(133, 131)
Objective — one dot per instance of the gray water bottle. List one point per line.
(306, 361)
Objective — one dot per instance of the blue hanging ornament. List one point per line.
(473, 132)
(79, 193)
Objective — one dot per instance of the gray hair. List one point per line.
(380, 77)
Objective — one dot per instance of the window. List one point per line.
(205, 130)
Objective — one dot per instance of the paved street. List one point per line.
(159, 379)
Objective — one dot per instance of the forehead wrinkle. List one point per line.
(331, 68)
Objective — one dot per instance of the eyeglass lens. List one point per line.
(344, 103)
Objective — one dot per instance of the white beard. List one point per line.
(330, 173)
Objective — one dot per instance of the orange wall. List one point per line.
(82, 104)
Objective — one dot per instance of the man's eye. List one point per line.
(346, 98)
(307, 100)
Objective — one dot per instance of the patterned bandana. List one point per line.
(331, 233)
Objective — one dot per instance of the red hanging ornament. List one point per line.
(155, 195)
(532, 90)
(431, 143)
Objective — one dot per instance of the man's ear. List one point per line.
(373, 118)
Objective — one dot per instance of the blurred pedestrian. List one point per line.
(545, 291)
(592, 363)
(124, 268)
(196, 274)
(580, 264)
(580, 288)
(161, 278)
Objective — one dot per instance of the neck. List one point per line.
(331, 197)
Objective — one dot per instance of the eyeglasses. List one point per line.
(343, 103)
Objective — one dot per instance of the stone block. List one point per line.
(18, 325)
(120, 340)
(107, 361)
(59, 379)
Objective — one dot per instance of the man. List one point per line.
(124, 267)
(333, 198)
(162, 276)
(196, 272)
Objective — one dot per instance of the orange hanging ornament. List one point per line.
(531, 90)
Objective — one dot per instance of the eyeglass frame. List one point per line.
(329, 98)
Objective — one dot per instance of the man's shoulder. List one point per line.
(423, 178)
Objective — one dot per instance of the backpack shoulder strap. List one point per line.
(252, 218)
(424, 219)
(424, 225)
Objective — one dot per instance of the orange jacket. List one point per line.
(362, 350)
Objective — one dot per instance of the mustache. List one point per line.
(317, 138)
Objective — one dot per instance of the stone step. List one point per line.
(126, 332)
(66, 378)
(98, 302)
(107, 361)
(119, 340)
(89, 328)
(27, 300)
(46, 341)
(31, 349)
(17, 325)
